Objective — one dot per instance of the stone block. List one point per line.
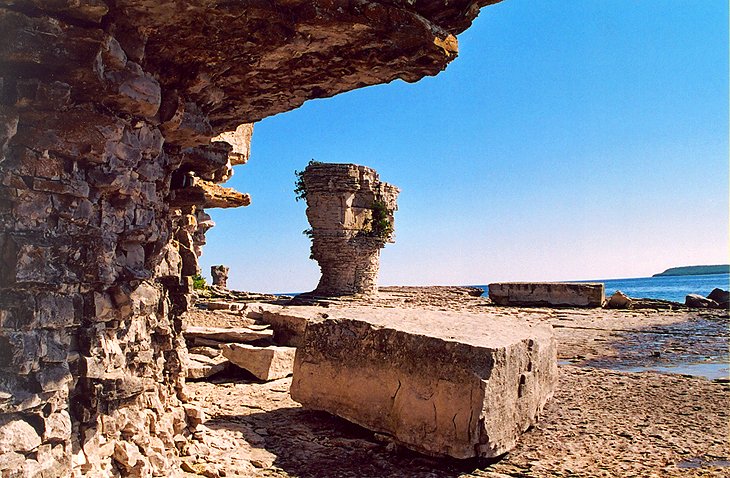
(200, 366)
(619, 300)
(222, 334)
(720, 296)
(547, 294)
(18, 436)
(441, 383)
(265, 363)
(289, 324)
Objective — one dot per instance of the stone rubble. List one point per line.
(599, 423)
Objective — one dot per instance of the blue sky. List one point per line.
(569, 140)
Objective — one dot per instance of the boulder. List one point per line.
(699, 302)
(619, 300)
(720, 296)
(18, 435)
(547, 294)
(441, 383)
(265, 363)
(202, 366)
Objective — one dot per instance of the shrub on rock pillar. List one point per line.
(351, 216)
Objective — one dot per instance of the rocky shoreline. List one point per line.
(600, 422)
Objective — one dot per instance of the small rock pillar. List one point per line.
(220, 276)
(351, 214)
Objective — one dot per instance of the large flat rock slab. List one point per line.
(211, 335)
(441, 383)
(547, 294)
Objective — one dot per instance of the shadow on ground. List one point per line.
(316, 444)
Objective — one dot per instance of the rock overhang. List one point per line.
(107, 111)
(246, 60)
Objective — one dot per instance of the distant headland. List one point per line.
(695, 270)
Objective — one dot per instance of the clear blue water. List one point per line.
(673, 288)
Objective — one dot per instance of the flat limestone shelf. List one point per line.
(539, 294)
(441, 383)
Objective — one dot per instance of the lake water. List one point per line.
(673, 288)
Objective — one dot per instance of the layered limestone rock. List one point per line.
(219, 276)
(550, 294)
(351, 214)
(441, 383)
(107, 111)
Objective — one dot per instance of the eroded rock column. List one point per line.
(219, 274)
(351, 214)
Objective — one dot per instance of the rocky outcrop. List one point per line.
(107, 111)
(698, 302)
(619, 300)
(351, 214)
(722, 297)
(550, 294)
(441, 383)
(219, 275)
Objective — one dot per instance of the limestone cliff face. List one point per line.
(107, 111)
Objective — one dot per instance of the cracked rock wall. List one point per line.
(107, 111)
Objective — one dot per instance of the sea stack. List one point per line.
(351, 216)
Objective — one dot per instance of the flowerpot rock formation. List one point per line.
(351, 214)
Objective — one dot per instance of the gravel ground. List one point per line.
(600, 422)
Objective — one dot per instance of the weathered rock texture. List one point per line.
(441, 383)
(351, 214)
(107, 110)
(265, 363)
(619, 300)
(555, 294)
(219, 274)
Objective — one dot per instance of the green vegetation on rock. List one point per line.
(379, 225)
(199, 282)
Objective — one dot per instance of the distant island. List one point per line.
(695, 270)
